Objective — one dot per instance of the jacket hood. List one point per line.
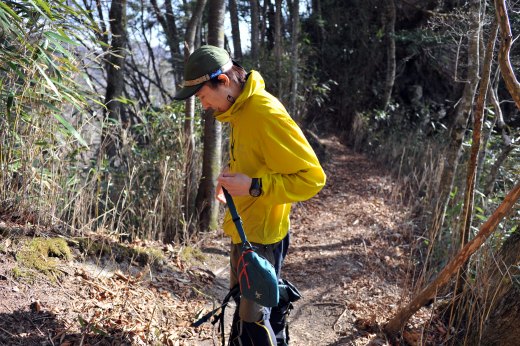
(254, 84)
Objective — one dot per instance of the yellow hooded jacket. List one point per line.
(266, 143)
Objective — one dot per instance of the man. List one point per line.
(271, 165)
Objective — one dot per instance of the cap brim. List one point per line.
(186, 92)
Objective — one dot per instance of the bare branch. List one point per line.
(403, 315)
(503, 54)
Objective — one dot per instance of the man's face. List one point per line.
(214, 99)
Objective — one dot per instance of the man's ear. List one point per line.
(224, 79)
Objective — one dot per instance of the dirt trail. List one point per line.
(348, 254)
(348, 257)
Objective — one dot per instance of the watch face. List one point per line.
(256, 187)
(255, 192)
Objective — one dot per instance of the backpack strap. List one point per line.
(236, 218)
(233, 293)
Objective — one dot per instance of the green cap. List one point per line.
(203, 64)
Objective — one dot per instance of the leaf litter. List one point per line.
(350, 256)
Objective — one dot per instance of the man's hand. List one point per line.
(237, 184)
(219, 193)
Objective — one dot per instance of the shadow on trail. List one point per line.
(349, 254)
(28, 328)
(214, 251)
(338, 261)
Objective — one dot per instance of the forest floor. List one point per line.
(350, 257)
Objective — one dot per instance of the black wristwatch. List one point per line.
(256, 187)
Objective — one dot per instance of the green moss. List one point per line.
(40, 254)
(18, 273)
(25, 274)
(147, 255)
(188, 254)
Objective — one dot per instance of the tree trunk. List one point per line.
(190, 170)
(476, 142)
(171, 27)
(397, 322)
(511, 83)
(167, 22)
(469, 194)
(503, 310)
(278, 49)
(266, 26)
(206, 202)
(458, 129)
(115, 79)
(503, 54)
(255, 33)
(317, 23)
(235, 29)
(295, 58)
(487, 134)
(502, 326)
(390, 52)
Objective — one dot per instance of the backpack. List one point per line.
(280, 313)
(256, 275)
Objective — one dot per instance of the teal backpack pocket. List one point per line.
(256, 275)
(257, 278)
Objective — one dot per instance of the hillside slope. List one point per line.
(349, 257)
